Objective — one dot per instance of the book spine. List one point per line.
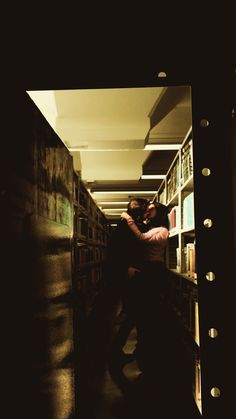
(197, 339)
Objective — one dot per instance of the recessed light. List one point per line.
(153, 176)
(162, 147)
(124, 192)
(74, 149)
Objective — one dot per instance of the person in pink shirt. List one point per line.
(151, 312)
(156, 238)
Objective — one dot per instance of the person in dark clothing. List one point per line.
(160, 353)
(125, 260)
(152, 279)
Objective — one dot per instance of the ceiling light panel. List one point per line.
(162, 147)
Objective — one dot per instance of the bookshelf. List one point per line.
(90, 238)
(177, 192)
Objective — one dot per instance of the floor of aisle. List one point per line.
(102, 399)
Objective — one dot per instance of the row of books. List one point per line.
(87, 205)
(185, 303)
(82, 199)
(188, 307)
(173, 181)
(186, 162)
(75, 188)
(179, 174)
(162, 196)
(188, 261)
(87, 254)
(84, 255)
(174, 218)
(88, 282)
(188, 214)
(89, 231)
(88, 286)
(188, 211)
(100, 235)
(91, 234)
(82, 227)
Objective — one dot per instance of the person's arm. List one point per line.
(155, 234)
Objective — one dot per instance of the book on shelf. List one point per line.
(162, 197)
(95, 276)
(174, 219)
(178, 267)
(82, 283)
(188, 211)
(83, 227)
(90, 232)
(196, 317)
(184, 260)
(97, 254)
(83, 255)
(186, 162)
(171, 254)
(190, 259)
(173, 181)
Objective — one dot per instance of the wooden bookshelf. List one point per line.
(177, 192)
(90, 239)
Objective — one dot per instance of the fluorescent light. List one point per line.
(124, 192)
(101, 149)
(153, 176)
(162, 147)
(113, 225)
(114, 209)
(112, 202)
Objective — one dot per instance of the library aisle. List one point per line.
(64, 186)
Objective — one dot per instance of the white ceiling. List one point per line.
(108, 128)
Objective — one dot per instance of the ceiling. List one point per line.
(106, 131)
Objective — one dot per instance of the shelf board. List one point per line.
(188, 184)
(82, 239)
(190, 230)
(173, 233)
(88, 265)
(92, 242)
(184, 275)
(174, 199)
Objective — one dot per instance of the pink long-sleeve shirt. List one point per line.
(155, 241)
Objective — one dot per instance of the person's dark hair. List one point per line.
(161, 219)
(137, 207)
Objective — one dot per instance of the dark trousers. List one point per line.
(160, 351)
(129, 302)
(152, 315)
